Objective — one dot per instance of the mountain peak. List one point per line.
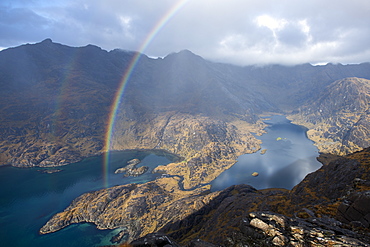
(46, 41)
(184, 54)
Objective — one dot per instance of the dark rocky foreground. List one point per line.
(330, 207)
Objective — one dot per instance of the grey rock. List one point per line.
(154, 240)
(355, 209)
(280, 230)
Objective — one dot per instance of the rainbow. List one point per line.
(61, 98)
(126, 77)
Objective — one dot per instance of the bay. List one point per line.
(287, 157)
(29, 198)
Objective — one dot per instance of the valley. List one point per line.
(55, 108)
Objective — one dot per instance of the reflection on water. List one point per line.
(289, 157)
(29, 198)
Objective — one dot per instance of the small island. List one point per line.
(50, 171)
(279, 139)
(131, 170)
(263, 151)
(255, 174)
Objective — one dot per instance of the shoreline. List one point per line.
(159, 152)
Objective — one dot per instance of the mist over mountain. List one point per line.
(55, 99)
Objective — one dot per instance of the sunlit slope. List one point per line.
(338, 116)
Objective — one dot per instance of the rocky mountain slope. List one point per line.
(329, 207)
(55, 103)
(338, 117)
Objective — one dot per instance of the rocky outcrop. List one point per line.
(160, 240)
(355, 209)
(154, 240)
(264, 228)
(134, 172)
(272, 229)
(139, 208)
(131, 170)
(116, 239)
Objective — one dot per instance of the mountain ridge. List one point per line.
(55, 108)
(60, 82)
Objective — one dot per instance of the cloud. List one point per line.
(294, 35)
(240, 31)
(17, 24)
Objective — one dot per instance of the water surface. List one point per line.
(29, 198)
(289, 157)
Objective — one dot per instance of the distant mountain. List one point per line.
(55, 103)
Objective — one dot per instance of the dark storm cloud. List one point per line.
(238, 31)
(19, 24)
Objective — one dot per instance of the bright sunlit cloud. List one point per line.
(270, 22)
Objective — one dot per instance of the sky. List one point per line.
(241, 32)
